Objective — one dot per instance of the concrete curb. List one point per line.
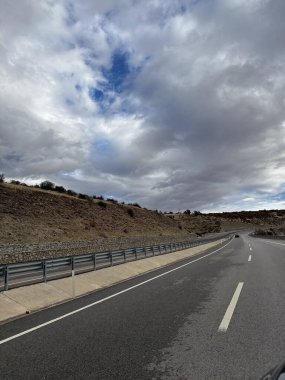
(18, 302)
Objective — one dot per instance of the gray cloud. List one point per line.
(199, 124)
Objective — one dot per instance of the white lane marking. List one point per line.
(106, 298)
(249, 258)
(273, 242)
(250, 249)
(230, 310)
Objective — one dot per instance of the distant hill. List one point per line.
(265, 221)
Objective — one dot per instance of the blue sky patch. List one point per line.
(116, 79)
(102, 147)
(96, 95)
(118, 72)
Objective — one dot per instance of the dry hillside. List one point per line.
(268, 221)
(198, 224)
(29, 215)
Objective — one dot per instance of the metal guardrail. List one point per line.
(27, 273)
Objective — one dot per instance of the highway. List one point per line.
(218, 315)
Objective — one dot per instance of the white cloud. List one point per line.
(199, 123)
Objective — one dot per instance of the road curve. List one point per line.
(220, 317)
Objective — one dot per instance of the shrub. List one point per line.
(130, 211)
(136, 205)
(101, 197)
(102, 204)
(112, 200)
(2, 177)
(60, 189)
(15, 182)
(83, 196)
(71, 192)
(47, 185)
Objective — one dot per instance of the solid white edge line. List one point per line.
(273, 242)
(249, 258)
(230, 310)
(106, 298)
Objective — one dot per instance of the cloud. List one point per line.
(172, 104)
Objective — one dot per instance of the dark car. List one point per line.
(236, 235)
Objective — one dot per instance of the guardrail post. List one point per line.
(111, 258)
(94, 261)
(136, 254)
(72, 262)
(124, 255)
(45, 270)
(72, 277)
(144, 251)
(6, 277)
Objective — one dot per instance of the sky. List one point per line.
(172, 104)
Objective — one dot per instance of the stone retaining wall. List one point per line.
(16, 253)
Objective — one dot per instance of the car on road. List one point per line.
(236, 235)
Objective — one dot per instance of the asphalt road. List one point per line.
(220, 317)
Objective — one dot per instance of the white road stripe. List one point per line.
(250, 249)
(230, 310)
(273, 242)
(107, 298)
(249, 258)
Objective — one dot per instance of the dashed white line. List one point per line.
(250, 249)
(107, 298)
(249, 258)
(230, 310)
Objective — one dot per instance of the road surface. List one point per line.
(219, 315)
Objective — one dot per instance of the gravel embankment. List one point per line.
(16, 253)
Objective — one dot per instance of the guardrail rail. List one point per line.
(27, 273)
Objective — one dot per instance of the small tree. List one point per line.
(47, 185)
(60, 189)
(2, 177)
(71, 192)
